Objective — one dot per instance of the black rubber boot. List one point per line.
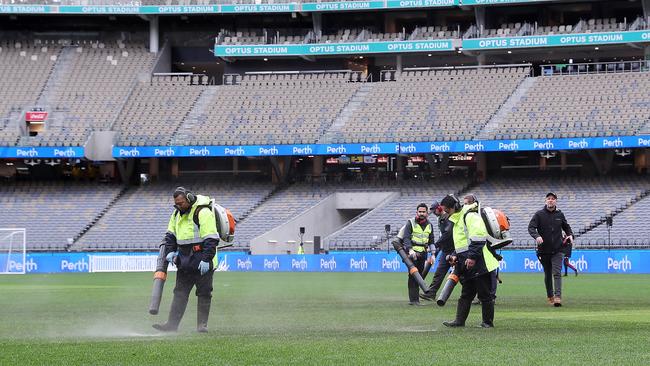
(462, 312)
(429, 296)
(414, 296)
(175, 315)
(488, 314)
(202, 314)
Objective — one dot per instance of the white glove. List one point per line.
(171, 257)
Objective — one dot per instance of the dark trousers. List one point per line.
(495, 282)
(481, 285)
(186, 280)
(552, 264)
(442, 267)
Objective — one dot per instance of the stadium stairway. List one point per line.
(361, 219)
(195, 116)
(123, 104)
(513, 101)
(245, 214)
(327, 214)
(51, 54)
(367, 231)
(334, 133)
(598, 223)
(75, 246)
(645, 130)
(59, 71)
(9, 123)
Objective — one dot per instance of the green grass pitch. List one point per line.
(319, 319)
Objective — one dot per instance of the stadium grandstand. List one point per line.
(336, 116)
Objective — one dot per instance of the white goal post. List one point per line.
(13, 251)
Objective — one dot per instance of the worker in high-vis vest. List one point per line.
(191, 245)
(472, 260)
(418, 236)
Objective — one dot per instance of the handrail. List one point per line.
(297, 72)
(464, 67)
(595, 68)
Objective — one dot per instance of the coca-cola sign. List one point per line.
(35, 116)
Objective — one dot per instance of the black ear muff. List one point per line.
(191, 198)
(457, 204)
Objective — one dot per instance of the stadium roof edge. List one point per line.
(77, 8)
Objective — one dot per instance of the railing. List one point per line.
(526, 29)
(231, 79)
(595, 68)
(179, 78)
(529, 29)
(351, 76)
(269, 36)
(393, 75)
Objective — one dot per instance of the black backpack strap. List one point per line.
(195, 218)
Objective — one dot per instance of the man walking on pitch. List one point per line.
(546, 228)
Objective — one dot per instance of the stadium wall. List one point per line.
(587, 261)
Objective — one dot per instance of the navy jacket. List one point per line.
(549, 225)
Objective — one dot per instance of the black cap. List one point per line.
(551, 194)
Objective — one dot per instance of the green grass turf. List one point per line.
(319, 319)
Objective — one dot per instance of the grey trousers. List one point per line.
(552, 273)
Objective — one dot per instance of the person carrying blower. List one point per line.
(472, 259)
(418, 235)
(445, 244)
(191, 244)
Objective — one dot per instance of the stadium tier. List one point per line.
(425, 105)
(583, 26)
(612, 104)
(77, 105)
(282, 206)
(268, 109)
(265, 109)
(53, 213)
(368, 231)
(26, 67)
(143, 213)
(628, 229)
(155, 110)
(585, 201)
(109, 217)
(298, 36)
(245, 36)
